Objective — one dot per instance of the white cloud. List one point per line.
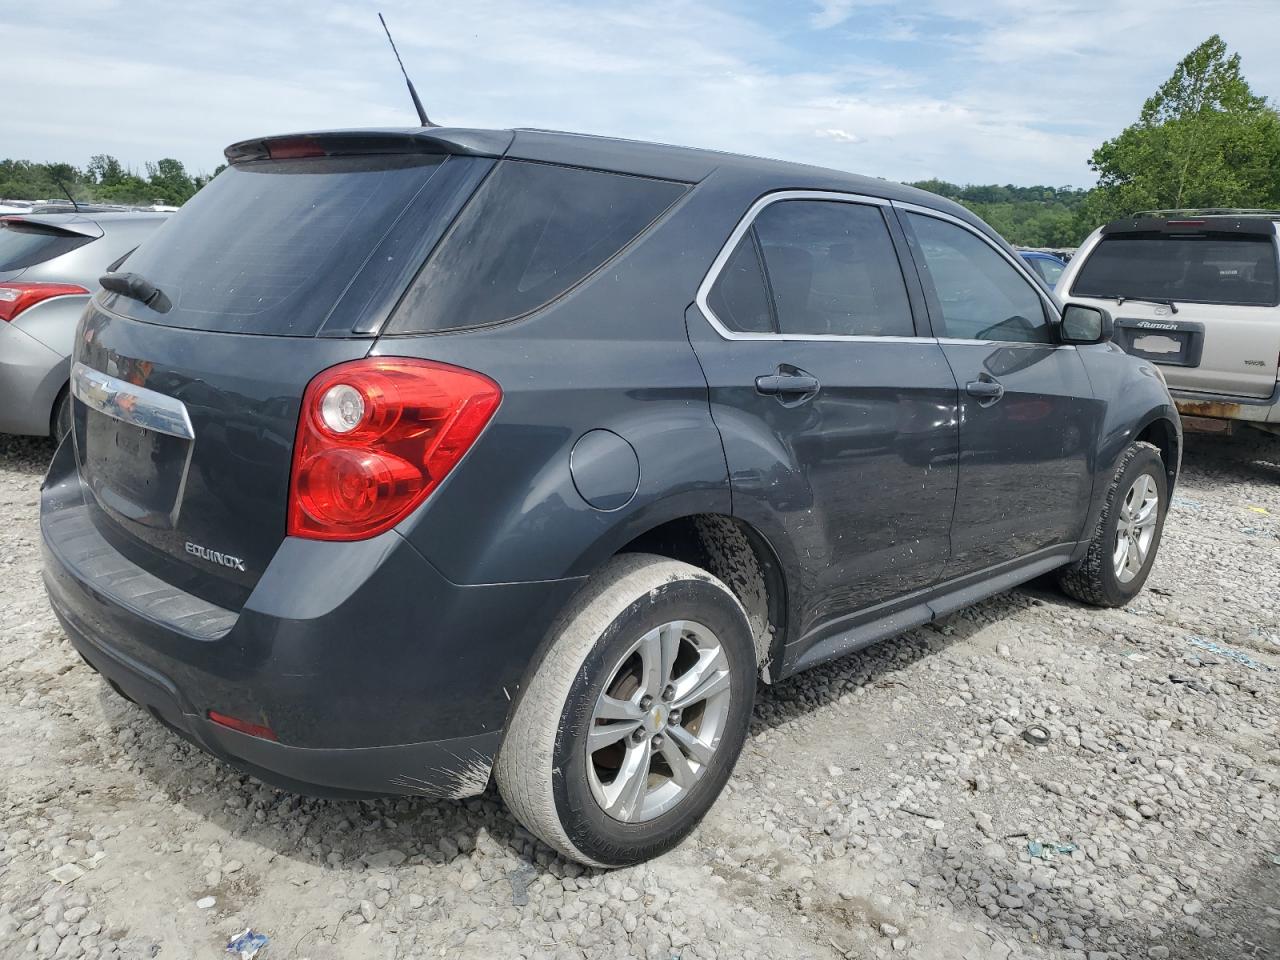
(832, 13)
(981, 90)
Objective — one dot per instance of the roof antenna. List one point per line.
(63, 187)
(417, 104)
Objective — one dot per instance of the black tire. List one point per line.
(1093, 579)
(60, 422)
(542, 768)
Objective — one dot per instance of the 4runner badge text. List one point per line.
(1149, 325)
(213, 556)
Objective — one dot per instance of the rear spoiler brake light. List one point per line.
(366, 143)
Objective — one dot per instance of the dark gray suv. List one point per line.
(415, 458)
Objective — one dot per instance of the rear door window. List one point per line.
(1195, 268)
(268, 247)
(24, 243)
(531, 232)
(833, 270)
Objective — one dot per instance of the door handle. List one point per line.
(987, 391)
(787, 385)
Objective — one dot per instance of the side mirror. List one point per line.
(1083, 325)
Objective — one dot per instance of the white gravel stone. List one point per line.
(883, 806)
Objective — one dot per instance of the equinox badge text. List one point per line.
(213, 556)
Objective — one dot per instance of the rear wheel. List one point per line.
(1127, 536)
(60, 424)
(633, 722)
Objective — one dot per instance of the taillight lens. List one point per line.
(16, 297)
(375, 437)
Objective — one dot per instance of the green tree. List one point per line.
(104, 179)
(105, 170)
(1038, 216)
(169, 181)
(1203, 139)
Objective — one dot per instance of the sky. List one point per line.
(971, 91)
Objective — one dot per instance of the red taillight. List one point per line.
(375, 437)
(16, 297)
(242, 726)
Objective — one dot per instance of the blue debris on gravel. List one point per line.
(1236, 655)
(247, 944)
(1047, 850)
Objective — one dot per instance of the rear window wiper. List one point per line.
(136, 287)
(1164, 302)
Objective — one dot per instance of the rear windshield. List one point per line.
(24, 244)
(1197, 268)
(531, 232)
(268, 247)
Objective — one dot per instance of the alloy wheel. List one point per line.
(1136, 528)
(658, 721)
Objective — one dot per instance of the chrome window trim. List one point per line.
(965, 342)
(1020, 266)
(143, 408)
(726, 251)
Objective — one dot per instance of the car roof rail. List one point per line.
(1209, 212)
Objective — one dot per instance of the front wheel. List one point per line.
(633, 721)
(1127, 536)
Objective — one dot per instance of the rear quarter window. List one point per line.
(24, 244)
(531, 232)
(1196, 268)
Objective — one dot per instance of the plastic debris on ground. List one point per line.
(1037, 735)
(520, 879)
(1236, 655)
(1186, 502)
(67, 873)
(1047, 850)
(247, 944)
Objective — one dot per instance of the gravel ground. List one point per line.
(884, 805)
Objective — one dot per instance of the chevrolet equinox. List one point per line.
(404, 460)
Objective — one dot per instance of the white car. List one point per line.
(1199, 295)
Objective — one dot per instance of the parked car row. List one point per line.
(401, 460)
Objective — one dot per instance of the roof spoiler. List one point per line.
(358, 143)
(1184, 223)
(72, 226)
(1187, 212)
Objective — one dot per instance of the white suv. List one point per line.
(1198, 294)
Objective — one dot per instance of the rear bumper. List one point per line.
(30, 377)
(377, 674)
(1228, 407)
(457, 767)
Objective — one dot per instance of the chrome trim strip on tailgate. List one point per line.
(136, 405)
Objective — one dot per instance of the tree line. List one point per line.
(1203, 139)
(104, 180)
